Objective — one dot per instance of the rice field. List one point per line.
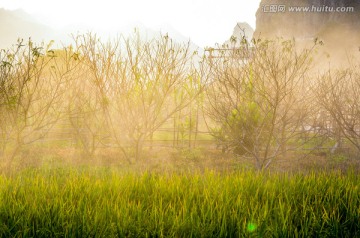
(108, 202)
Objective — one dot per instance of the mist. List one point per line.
(179, 119)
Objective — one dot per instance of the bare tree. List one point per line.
(339, 96)
(258, 97)
(136, 85)
(30, 95)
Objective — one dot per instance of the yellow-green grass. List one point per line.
(109, 202)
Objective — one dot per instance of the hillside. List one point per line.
(296, 22)
(18, 24)
(319, 22)
(242, 29)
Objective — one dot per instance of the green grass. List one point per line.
(104, 202)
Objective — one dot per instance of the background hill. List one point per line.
(18, 24)
(340, 31)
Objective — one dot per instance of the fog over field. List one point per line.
(180, 118)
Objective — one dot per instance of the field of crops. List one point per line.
(108, 202)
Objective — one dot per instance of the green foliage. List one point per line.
(242, 126)
(108, 203)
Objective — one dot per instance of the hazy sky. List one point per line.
(204, 21)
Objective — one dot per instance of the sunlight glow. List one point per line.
(204, 21)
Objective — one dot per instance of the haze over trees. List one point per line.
(261, 100)
(266, 100)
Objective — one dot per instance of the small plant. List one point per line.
(191, 154)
